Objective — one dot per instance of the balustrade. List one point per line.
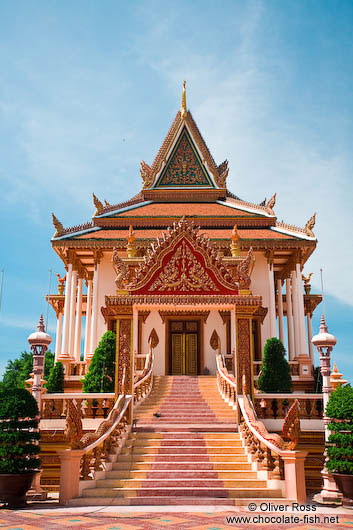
(92, 452)
(144, 382)
(54, 406)
(273, 406)
(226, 383)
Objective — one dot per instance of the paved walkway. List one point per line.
(48, 517)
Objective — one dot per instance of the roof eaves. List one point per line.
(71, 235)
(122, 210)
(247, 208)
(299, 234)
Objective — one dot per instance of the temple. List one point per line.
(193, 280)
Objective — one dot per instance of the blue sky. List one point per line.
(88, 89)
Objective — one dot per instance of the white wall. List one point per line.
(106, 286)
(260, 286)
(214, 322)
(154, 321)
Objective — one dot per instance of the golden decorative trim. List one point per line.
(182, 313)
(243, 301)
(143, 315)
(99, 206)
(310, 225)
(57, 225)
(225, 315)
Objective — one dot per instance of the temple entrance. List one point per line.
(184, 346)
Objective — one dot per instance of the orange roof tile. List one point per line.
(188, 209)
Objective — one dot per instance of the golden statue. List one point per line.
(306, 280)
(61, 282)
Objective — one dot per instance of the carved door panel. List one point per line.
(178, 353)
(191, 353)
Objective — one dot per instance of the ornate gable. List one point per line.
(183, 262)
(184, 167)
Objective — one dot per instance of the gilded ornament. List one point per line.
(99, 206)
(153, 339)
(73, 425)
(234, 247)
(183, 110)
(146, 174)
(131, 245)
(215, 341)
(271, 203)
(57, 225)
(242, 272)
(222, 174)
(310, 225)
(306, 280)
(122, 271)
(61, 284)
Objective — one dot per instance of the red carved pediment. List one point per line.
(183, 262)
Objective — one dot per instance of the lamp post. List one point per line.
(39, 342)
(324, 343)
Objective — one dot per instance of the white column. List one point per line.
(310, 336)
(296, 327)
(78, 323)
(93, 339)
(289, 320)
(88, 319)
(72, 314)
(58, 336)
(272, 301)
(66, 326)
(280, 311)
(300, 294)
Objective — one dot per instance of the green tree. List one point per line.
(56, 379)
(101, 372)
(275, 370)
(17, 371)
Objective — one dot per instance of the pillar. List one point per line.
(233, 345)
(72, 314)
(244, 353)
(296, 327)
(87, 349)
(310, 336)
(66, 323)
(58, 336)
(272, 300)
(289, 320)
(124, 353)
(78, 322)
(280, 310)
(94, 318)
(301, 312)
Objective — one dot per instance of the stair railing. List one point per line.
(226, 383)
(269, 452)
(93, 453)
(143, 384)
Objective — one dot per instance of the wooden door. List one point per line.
(184, 341)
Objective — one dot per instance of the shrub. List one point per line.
(101, 372)
(275, 371)
(56, 379)
(18, 431)
(18, 370)
(340, 443)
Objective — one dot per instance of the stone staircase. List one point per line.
(183, 450)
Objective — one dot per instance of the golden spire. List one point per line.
(183, 109)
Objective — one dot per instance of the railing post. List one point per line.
(70, 464)
(294, 475)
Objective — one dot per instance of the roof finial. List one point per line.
(183, 109)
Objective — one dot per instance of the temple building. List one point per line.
(193, 281)
(188, 261)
